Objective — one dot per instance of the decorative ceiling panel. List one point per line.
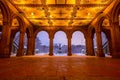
(41, 22)
(60, 22)
(80, 22)
(31, 12)
(50, 2)
(27, 1)
(61, 12)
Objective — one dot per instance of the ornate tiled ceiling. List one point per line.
(61, 12)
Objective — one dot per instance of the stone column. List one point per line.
(51, 47)
(30, 46)
(51, 37)
(115, 36)
(99, 44)
(89, 46)
(69, 37)
(11, 43)
(109, 42)
(110, 46)
(5, 41)
(21, 44)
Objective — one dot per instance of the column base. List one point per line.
(101, 55)
(4, 56)
(29, 53)
(19, 55)
(69, 54)
(89, 54)
(50, 54)
(116, 55)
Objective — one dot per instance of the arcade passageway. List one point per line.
(22, 23)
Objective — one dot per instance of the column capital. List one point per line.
(98, 30)
(69, 36)
(115, 23)
(5, 23)
(51, 35)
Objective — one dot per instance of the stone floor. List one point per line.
(59, 68)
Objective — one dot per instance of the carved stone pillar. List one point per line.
(51, 47)
(115, 36)
(51, 37)
(30, 46)
(110, 46)
(69, 37)
(5, 41)
(99, 44)
(89, 46)
(11, 42)
(109, 43)
(21, 44)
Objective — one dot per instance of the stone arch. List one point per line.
(116, 11)
(18, 22)
(5, 11)
(39, 30)
(81, 30)
(105, 24)
(99, 27)
(57, 30)
(22, 25)
(102, 20)
(5, 15)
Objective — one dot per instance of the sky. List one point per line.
(60, 37)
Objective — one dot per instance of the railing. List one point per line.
(15, 43)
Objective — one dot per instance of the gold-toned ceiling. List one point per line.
(61, 12)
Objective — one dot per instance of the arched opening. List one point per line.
(60, 44)
(78, 43)
(95, 43)
(105, 44)
(15, 44)
(15, 37)
(105, 40)
(1, 23)
(42, 43)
